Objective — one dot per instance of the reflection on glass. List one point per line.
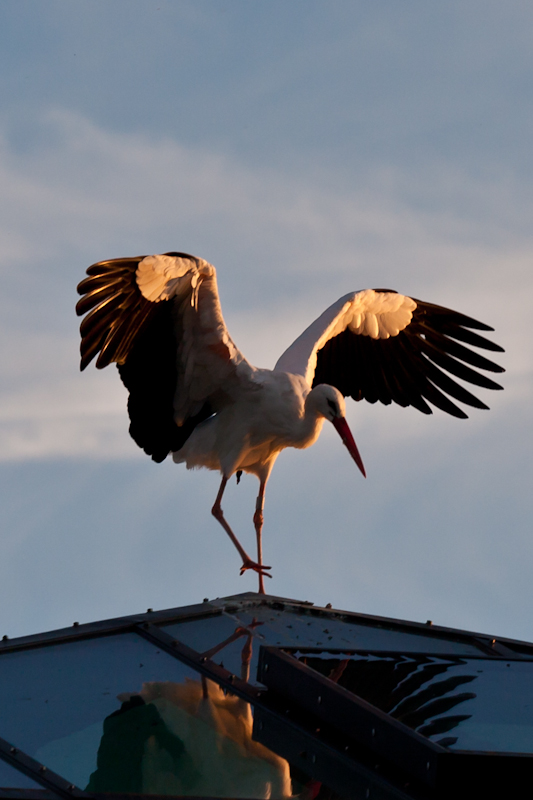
(191, 739)
(285, 628)
(187, 738)
(115, 714)
(460, 703)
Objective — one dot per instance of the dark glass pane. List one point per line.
(460, 703)
(11, 778)
(286, 628)
(54, 699)
(115, 714)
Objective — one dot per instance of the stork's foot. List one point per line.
(259, 568)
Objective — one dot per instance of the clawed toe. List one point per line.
(259, 568)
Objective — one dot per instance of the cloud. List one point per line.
(286, 245)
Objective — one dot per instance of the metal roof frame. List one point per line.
(292, 721)
(488, 645)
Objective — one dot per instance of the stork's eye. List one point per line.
(332, 405)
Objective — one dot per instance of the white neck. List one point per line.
(310, 424)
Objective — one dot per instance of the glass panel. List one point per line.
(286, 628)
(115, 714)
(11, 778)
(463, 704)
(55, 699)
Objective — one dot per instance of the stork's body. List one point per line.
(250, 432)
(194, 395)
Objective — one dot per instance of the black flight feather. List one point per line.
(408, 369)
(142, 338)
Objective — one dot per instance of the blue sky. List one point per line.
(307, 149)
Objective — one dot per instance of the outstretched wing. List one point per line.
(159, 318)
(380, 345)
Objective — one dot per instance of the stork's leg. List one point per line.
(258, 524)
(247, 562)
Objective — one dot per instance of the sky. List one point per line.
(307, 149)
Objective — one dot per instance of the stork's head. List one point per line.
(328, 402)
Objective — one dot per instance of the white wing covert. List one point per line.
(159, 318)
(380, 345)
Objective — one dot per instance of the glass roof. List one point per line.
(54, 699)
(117, 714)
(460, 703)
(121, 707)
(287, 628)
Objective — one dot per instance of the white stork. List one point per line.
(192, 393)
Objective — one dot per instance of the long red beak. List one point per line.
(341, 426)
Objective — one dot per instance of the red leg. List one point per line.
(258, 524)
(247, 562)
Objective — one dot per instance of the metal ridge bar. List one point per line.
(322, 761)
(201, 663)
(423, 628)
(50, 780)
(332, 764)
(485, 642)
(350, 714)
(497, 649)
(90, 630)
